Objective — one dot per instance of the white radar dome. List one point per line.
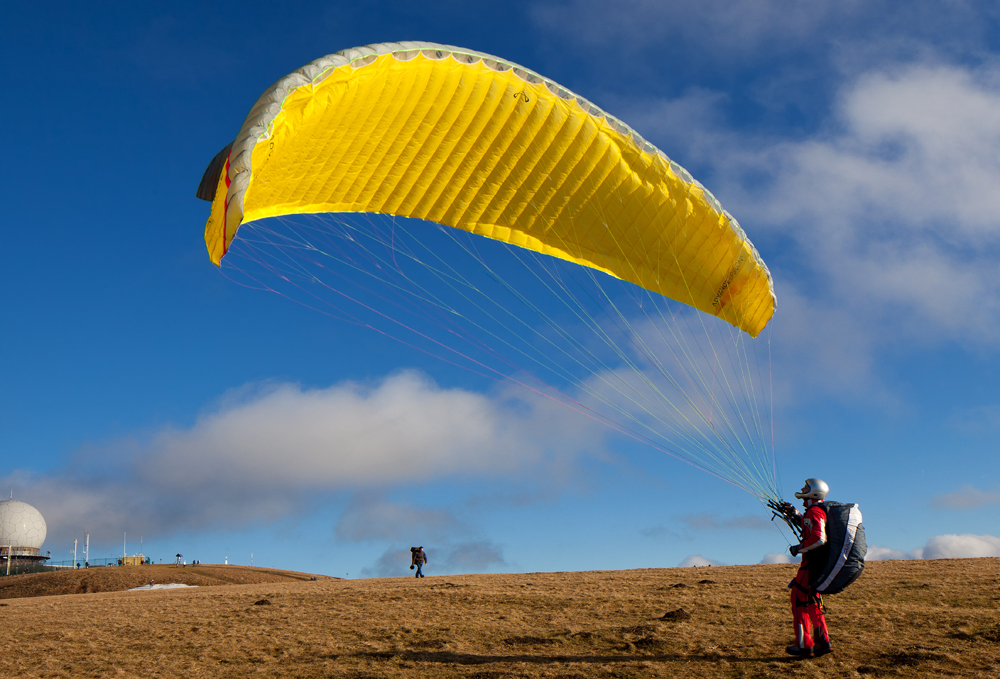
(21, 525)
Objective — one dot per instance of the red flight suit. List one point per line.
(807, 615)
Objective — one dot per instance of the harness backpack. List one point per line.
(845, 536)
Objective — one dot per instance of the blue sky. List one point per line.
(858, 144)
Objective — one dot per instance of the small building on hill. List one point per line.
(22, 533)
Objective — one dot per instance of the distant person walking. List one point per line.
(418, 557)
(811, 636)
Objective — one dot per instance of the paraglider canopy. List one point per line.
(546, 244)
(473, 142)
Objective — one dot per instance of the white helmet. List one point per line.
(815, 489)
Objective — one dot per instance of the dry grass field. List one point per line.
(902, 619)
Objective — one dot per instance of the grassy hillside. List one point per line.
(88, 580)
(902, 619)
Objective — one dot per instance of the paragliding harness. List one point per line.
(812, 597)
(845, 537)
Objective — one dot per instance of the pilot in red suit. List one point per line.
(811, 637)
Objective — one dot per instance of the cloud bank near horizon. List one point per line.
(698, 561)
(942, 547)
(777, 557)
(938, 547)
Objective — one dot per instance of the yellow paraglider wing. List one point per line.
(471, 142)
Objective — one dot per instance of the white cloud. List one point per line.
(402, 430)
(942, 547)
(697, 560)
(896, 209)
(899, 133)
(727, 25)
(877, 553)
(266, 453)
(961, 547)
(885, 216)
(967, 497)
(751, 33)
(775, 557)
